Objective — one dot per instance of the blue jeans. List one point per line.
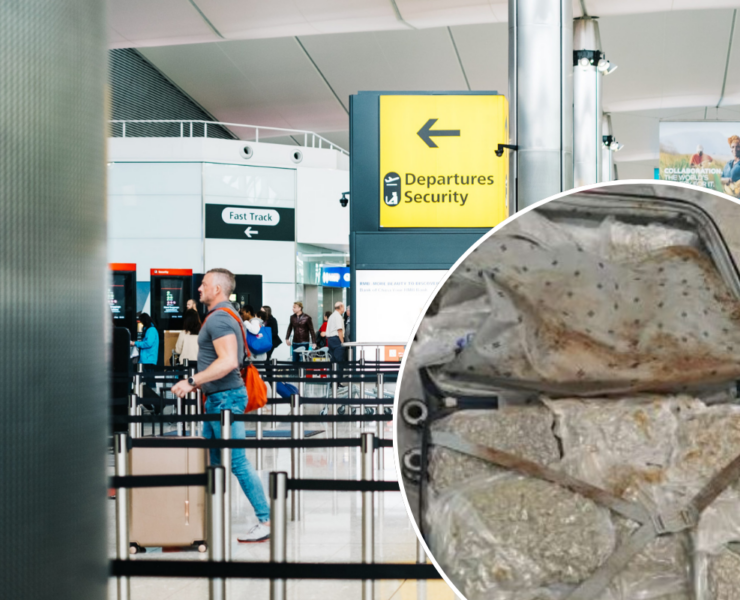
(297, 355)
(236, 401)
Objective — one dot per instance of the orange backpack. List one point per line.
(256, 389)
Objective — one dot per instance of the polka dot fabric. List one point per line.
(587, 324)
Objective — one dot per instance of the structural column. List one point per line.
(540, 100)
(54, 419)
(588, 62)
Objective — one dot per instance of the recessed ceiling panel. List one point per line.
(260, 82)
(484, 53)
(160, 23)
(671, 59)
(389, 60)
(441, 13)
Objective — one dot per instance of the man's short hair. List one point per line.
(299, 304)
(338, 305)
(225, 279)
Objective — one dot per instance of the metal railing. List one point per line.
(310, 138)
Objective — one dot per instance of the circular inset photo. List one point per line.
(567, 422)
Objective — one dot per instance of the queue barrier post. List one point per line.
(273, 409)
(368, 513)
(260, 435)
(278, 530)
(334, 395)
(380, 425)
(295, 458)
(226, 463)
(133, 403)
(216, 541)
(140, 426)
(180, 424)
(301, 383)
(123, 584)
(421, 556)
(362, 383)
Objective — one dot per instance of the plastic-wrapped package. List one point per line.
(588, 325)
(623, 446)
(719, 523)
(523, 431)
(708, 440)
(506, 532)
(724, 576)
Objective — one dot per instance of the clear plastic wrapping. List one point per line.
(525, 432)
(510, 533)
(655, 317)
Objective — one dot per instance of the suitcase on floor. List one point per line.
(168, 516)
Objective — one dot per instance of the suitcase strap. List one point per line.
(652, 524)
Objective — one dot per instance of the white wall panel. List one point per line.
(162, 253)
(275, 261)
(155, 217)
(320, 219)
(156, 178)
(258, 186)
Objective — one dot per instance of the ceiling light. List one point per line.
(603, 65)
(611, 69)
(584, 62)
(617, 146)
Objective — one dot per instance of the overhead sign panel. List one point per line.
(250, 223)
(438, 163)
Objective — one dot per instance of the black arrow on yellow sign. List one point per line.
(426, 133)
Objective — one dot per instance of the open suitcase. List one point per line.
(475, 508)
(172, 516)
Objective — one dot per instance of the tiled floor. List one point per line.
(328, 531)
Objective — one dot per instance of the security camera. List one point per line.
(344, 201)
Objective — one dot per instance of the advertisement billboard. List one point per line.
(702, 153)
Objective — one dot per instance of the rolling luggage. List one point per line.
(168, 516)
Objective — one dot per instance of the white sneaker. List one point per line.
(259, 533)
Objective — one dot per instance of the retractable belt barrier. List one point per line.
(277, 570)
(250, 418)
(270, 570)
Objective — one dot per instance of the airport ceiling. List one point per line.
(294, 63)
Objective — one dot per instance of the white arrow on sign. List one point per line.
(250, 233)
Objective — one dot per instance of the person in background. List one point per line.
(302, 328)
(187, 341)
(335, 334)
(149, 344)
(220, 356)
(699, 157)
(321, 339)
(347, 324)
(191, 305)
(252, 324)
(272, 323)
(731, 172)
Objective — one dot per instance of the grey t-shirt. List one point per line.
(218, 324)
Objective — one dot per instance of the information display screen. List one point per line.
(171, 298)
(390, 302)
(117, 297)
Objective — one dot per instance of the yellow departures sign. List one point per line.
(438, 166)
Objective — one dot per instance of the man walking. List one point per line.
(220, 357)
(335, 333)
(302, 328)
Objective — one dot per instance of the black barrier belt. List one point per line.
(158, 442)
(146, 481)
(269, 570)
(347, 401)
(368, 378)
(338, 485)
(251, 418)
(158, 401)
(382, 443)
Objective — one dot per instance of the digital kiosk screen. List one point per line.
(117, 297)
(171, 298)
